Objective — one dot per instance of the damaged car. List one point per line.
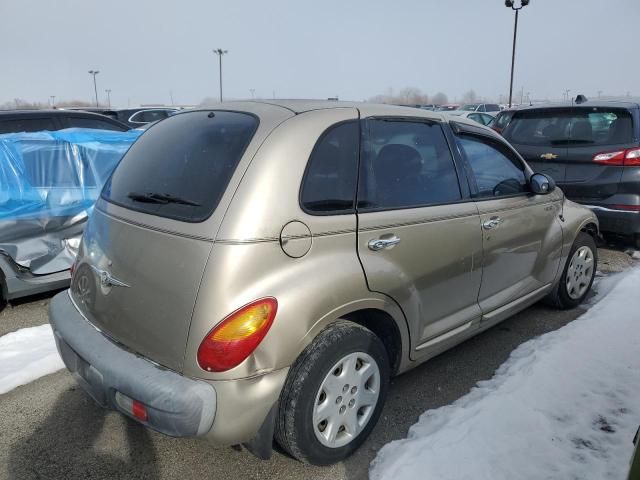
(49, 182)
(259, 271)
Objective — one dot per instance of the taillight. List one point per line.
(628, 208)
(632, 158)
(237, 336)
(627, 158)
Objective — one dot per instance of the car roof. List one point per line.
(296, 107)
(587, 104)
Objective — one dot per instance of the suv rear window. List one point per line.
(180, 167)
(593, 126)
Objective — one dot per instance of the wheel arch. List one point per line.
(383, 318)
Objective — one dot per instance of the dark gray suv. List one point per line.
(592, 151)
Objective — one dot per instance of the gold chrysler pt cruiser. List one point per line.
(258, 271)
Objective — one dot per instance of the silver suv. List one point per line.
(259, 271)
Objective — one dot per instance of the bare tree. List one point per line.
(469, 96)
(439, 98)
(406, 96)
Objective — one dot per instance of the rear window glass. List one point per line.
(181, 166)
(571, 127)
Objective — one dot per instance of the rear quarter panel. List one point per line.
(247, 261)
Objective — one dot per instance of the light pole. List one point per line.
(220, 53)
(95, 88)
(53, 101)
(511, 4)
(253, 92)
(108, 90)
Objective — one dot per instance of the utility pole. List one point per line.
(220, 53)
(510, 4)
(566, 94)
(108, 90)
(95, 88)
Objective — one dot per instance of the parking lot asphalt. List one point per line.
(50, 429)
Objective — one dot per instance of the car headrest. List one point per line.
(397, 161)
(582, 130)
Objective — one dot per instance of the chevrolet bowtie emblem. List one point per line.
(106, 280)
(548, 156)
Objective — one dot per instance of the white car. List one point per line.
(483, 118)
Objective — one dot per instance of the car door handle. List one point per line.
(383, 243)
(493, 222)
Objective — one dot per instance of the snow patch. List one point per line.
(26, 355)
(563, 406)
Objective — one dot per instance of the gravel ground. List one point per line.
(51, 429)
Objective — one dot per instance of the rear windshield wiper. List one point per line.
(162, 198)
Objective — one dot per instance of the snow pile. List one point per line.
(26, 355)
(563, 406)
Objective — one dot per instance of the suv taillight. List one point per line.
(237, 336)
(628, 158)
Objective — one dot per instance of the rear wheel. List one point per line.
(334, 394)
(578, 273)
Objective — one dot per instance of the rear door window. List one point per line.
(406, 164)
(148, 116)
(181, 167)
(496, 170)
(329, 184)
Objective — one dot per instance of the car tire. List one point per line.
(333, 395)
(577, 275)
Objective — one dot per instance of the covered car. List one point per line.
(49, 182)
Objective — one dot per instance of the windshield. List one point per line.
(181, 166)
(470, 107)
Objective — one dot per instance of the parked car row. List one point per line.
(259, 271)
(14, 121)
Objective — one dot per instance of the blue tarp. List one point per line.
(57, 173)
(49, 182)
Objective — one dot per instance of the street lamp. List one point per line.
(511, 4)
(220, 53)
(108, 90)
(95, 88)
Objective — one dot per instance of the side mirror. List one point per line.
(540, 184)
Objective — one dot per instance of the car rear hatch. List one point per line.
(594, 133)
(540, 137)
(564, 143)
(146, 245)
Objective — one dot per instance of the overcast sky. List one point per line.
(353, 49)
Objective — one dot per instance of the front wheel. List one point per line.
(578, 274)
(334, 394)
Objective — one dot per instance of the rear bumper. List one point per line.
(620, 222)
(175, 405)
